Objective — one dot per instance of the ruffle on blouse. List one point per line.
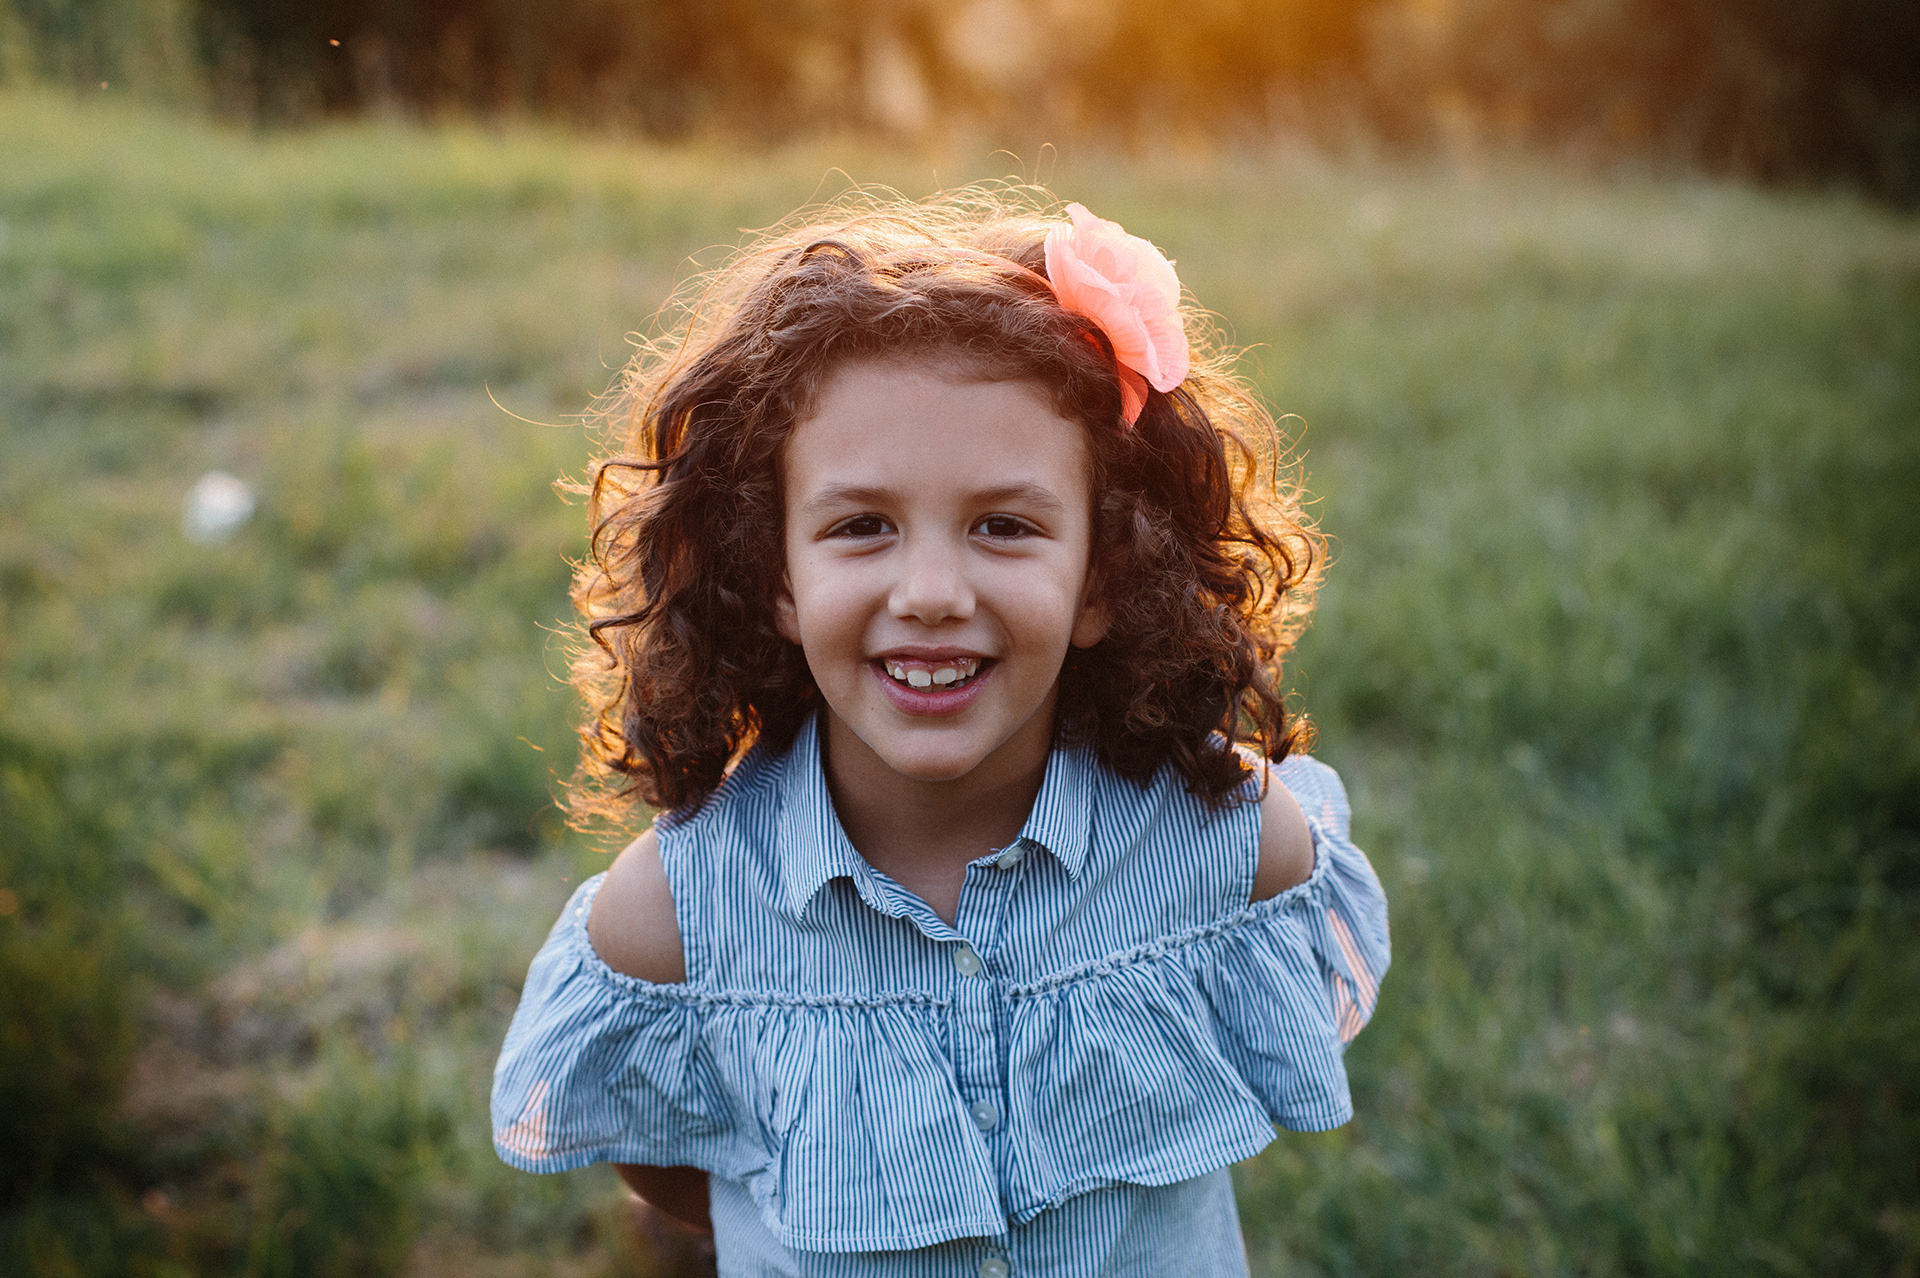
(1182, 1055)
(842, 1115)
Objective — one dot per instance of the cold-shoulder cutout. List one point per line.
(1286, 845)
(632, 926)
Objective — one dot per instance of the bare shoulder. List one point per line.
(1286, 845)
(632, 927)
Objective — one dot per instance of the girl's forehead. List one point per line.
(947, 364)
(932, 425)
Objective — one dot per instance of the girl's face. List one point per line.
(937, 540)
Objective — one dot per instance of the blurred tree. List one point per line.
(145, 45)
(1770, 89)
(664, 66)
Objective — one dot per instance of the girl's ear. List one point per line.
(1090, 626)
(786, 617)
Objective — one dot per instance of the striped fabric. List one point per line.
(1048, 1085)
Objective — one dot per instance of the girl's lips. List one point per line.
(930, 702)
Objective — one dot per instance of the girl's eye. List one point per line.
(861, 526)
(1003, 527)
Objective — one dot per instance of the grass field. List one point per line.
(1618, 658)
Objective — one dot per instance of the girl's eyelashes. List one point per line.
(861, 526)
(996, 527)
(1003, 527)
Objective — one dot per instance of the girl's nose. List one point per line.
(932, 586)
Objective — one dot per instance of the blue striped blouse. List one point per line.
(1052, 1085)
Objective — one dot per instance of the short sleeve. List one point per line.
(600, 1067)
(1349, 930)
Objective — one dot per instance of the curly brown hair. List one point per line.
(1202, 553)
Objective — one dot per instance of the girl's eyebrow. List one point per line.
(837, 495)
(1036, 497)
(1030, 495)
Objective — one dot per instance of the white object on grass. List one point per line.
(216, 506)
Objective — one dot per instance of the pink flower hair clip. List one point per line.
(1128, 287)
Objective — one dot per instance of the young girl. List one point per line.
(939, 598)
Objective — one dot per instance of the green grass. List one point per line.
(1618, 658)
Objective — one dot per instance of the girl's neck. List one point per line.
(922, 833)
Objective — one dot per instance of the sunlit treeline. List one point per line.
(1776, 89)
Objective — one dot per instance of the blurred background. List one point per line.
(1771, 89)
(1597, 323)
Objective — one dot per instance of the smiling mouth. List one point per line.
(928, 676)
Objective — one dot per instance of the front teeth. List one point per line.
(941, 678)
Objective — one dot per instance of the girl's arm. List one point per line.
(633, 929)
(680, 1192)
(1286, 845)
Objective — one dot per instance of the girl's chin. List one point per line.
(922, 770)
